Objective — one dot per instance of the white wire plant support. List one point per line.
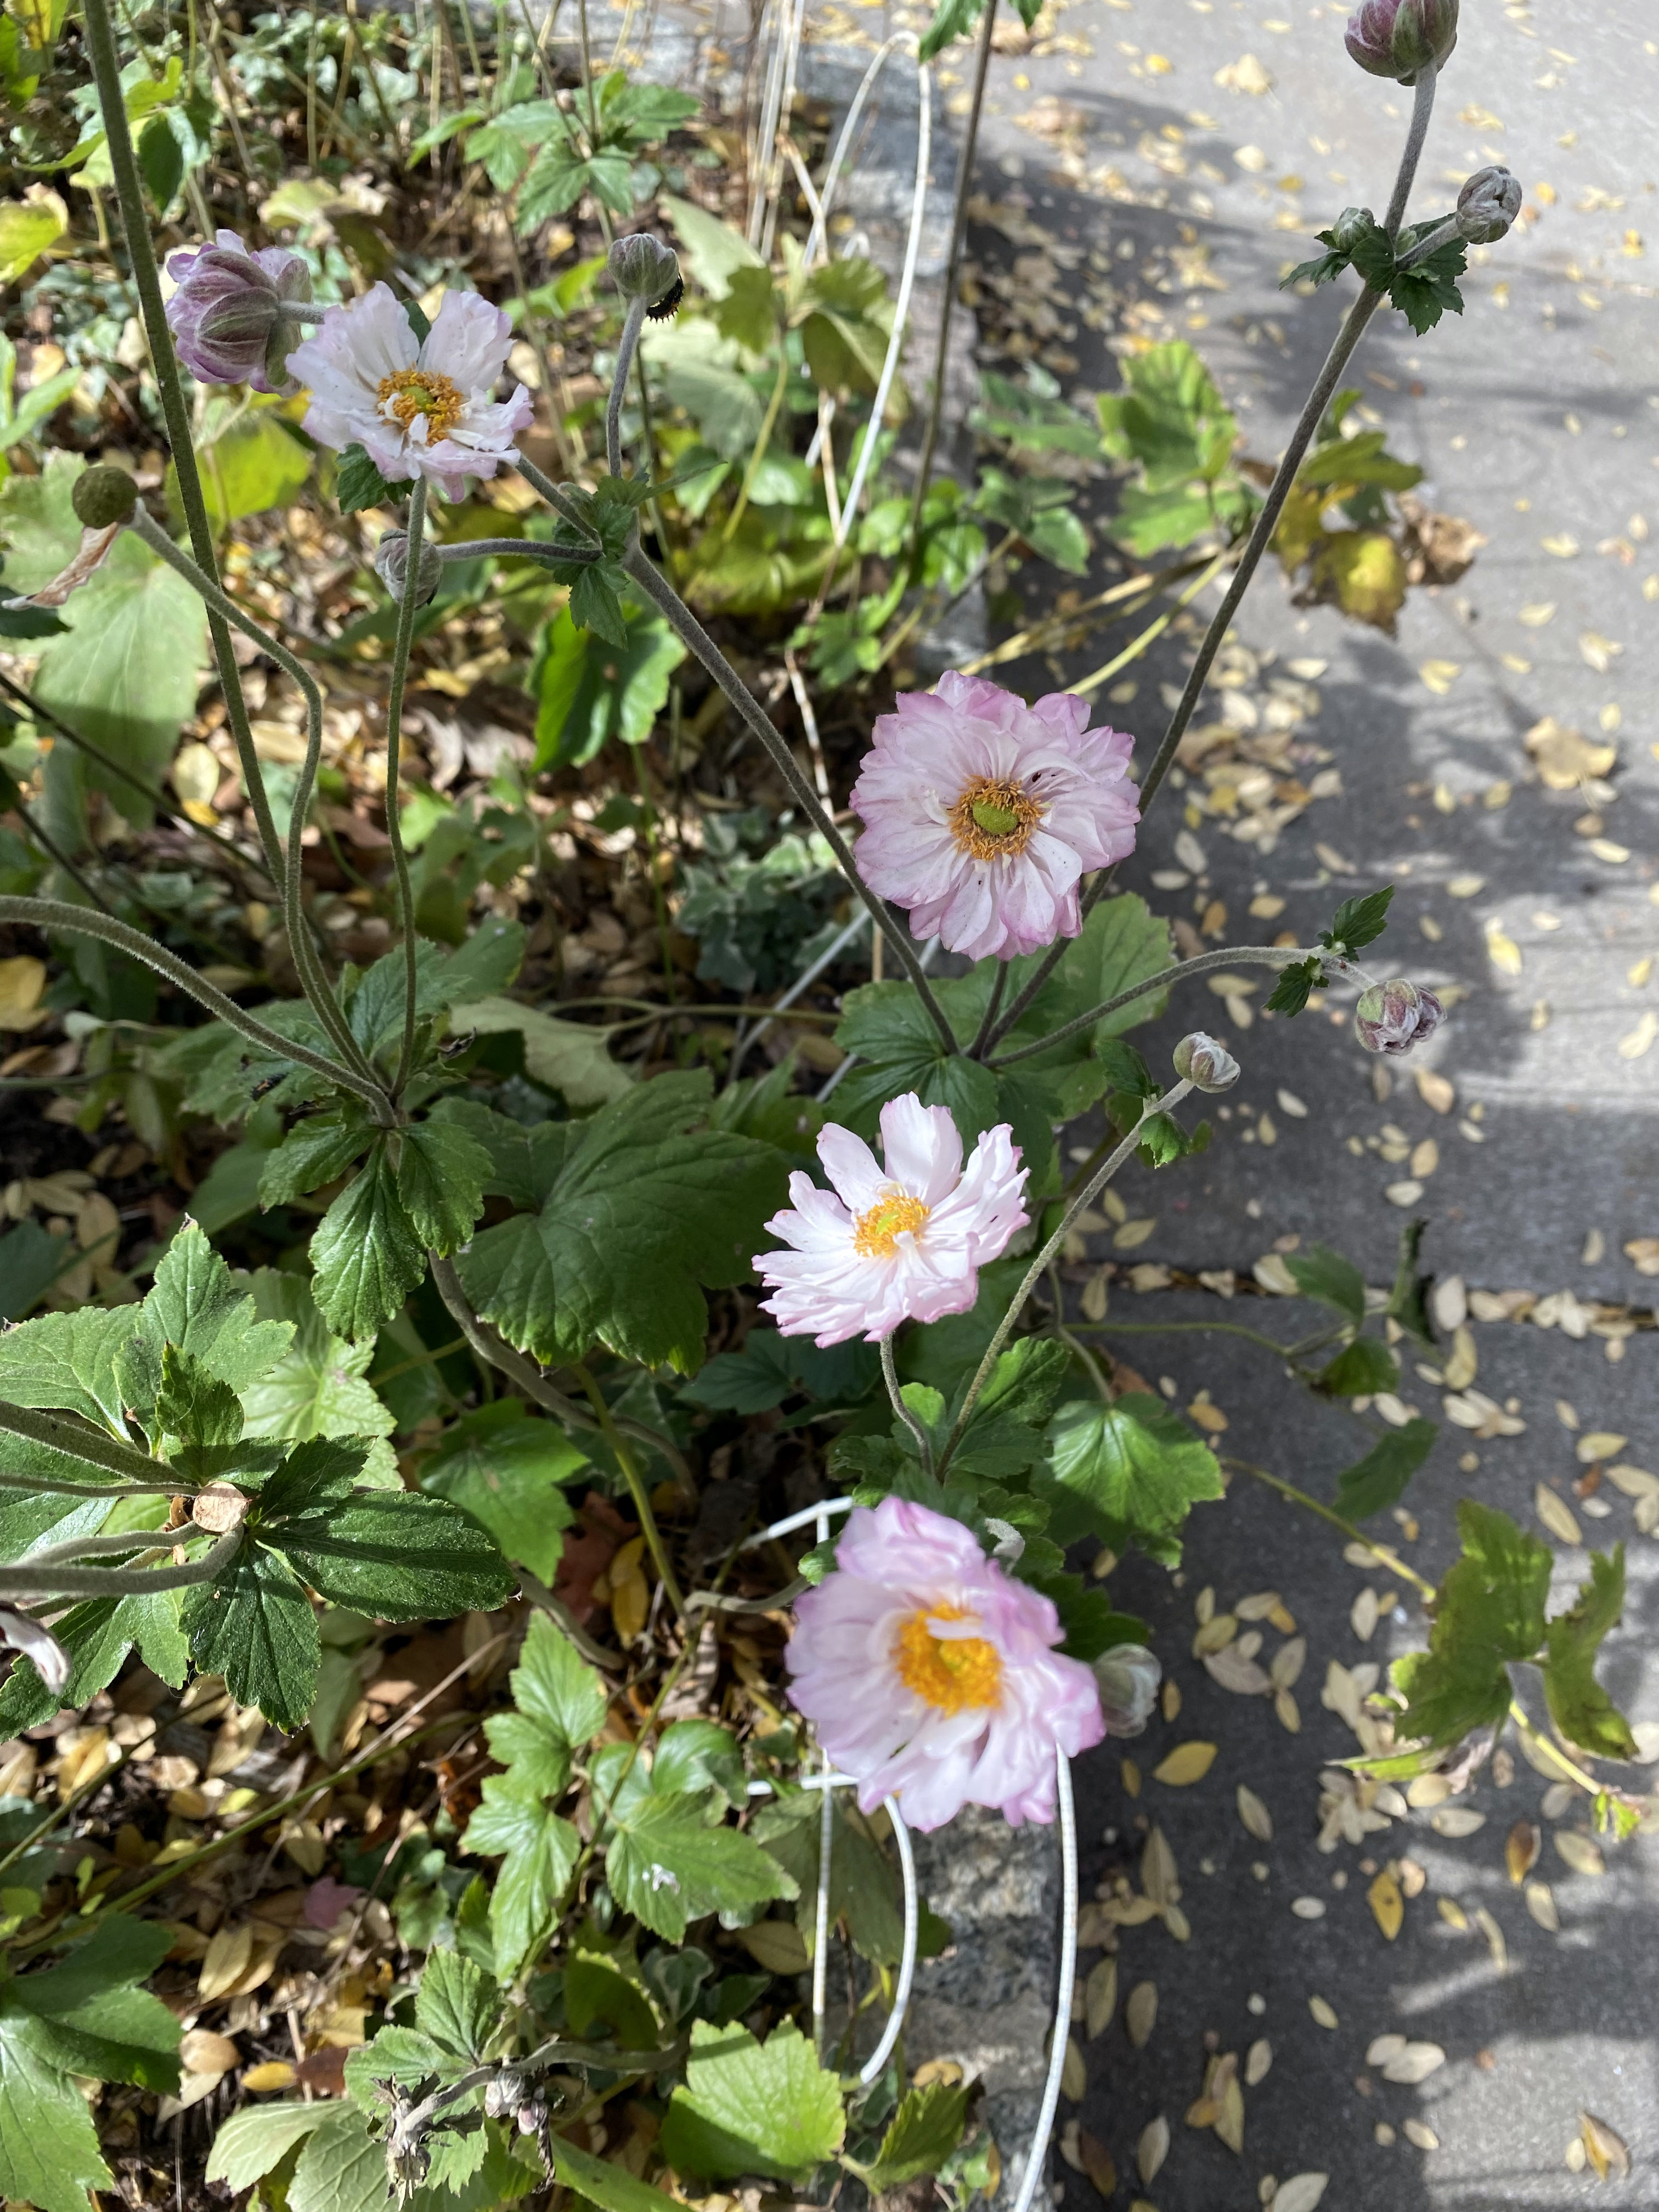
(829, 1781)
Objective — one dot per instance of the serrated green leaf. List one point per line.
(921, 2136)
(1289, 993)
(197, 1306)
(358, 484)
(540, 1852)
(393, 1555)
(367, 1253)
(256, 1627)
(864, 1887)
(315, 1151)
(506, 1471)
(1358, 922)
(1579, 1705)
(1379, 1479)
(252, 2142)
(193, 1405)
(1138, 1468)
(667, 1867)
(317, 1389)
(1322, 1274)
(1359, 1369)
(1489, 1613)
(603, 2182)
(748, 2107)
(555, 1685)
(341, 2167)
(458, 2005)
(442, 1173)
(65, 1362)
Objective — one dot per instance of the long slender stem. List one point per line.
(663, 596)
(1389, 1557)
(508, 549)
(27, 1580)
(890, 1375)
(307, 963)
(763, 439)
(51, 913)
(394, 728)
(1039, 1268)
(1185, 1329)
(76, 1440)
(952, 270)
(1266, 522)
(55, 852)
(1250, 955)
(134, 222)
(992, 1005)
(632, 326)
(637, 1489)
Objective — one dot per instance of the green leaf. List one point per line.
(98, 1634)
(1091, 1622)
(667, 1867)
(28, 229)
(316, 1151)
(256, 2139)
(1358, 922)
(49, 2153)
(65, 1362)
(1031, 416)
(1430, 291)
(256, 1627)
(125, 675)
(646, 1207)
(317, 1389)
(392, 1555)
(539, 1853)
(1408, 1296)
(953, 19)
(251, 462)
(358, 484)
(197, 1306)
(1360, 1369)
(442, 1173)
(921, 2136)
(1322, 1274)
(556, 1685)
(1380, 1479)
(1290, 994)
(1138, 1468)
(458, 2005)
(604, 2182)
(572, 1058)
(193, 1405)
(1489, 1613)
(506, 1470)
(594, 688)
(366, 1252)
(865, 1888)
(748, 2107)
(889, 1030)
(341, 2167)
(1579, 1705)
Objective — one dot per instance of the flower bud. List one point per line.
(1350, 227)
(1487, 205)
(226, 316)
(391, 566)
(643, 268)
(103, 496)
(1400, 38)
(1205, 1065)
(504, 2095)
(1392, 1017)
(1127, 1677)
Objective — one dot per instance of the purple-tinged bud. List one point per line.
(391, 566)
(1127, 1677)
(1400, 38)
(1206, 1065)
(226, 315)
(1392, 1017)
(103, 496)
(1487, 206)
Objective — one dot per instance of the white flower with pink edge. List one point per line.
(902, 1241)
(418, 407)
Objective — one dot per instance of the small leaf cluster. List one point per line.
(1423, 293)
(1357, 923)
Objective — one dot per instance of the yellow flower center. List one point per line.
(876, 1232)
(949, 1672)
(408, 393)
(994, 816)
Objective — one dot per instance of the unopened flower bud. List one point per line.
(1350, 227)
(103, 497)
(1487, 205)
(1392, 1017)
(1128, 1676)
(392, 567)
(1205, 1065)
(504, 2095)
(1400, 38)
(226, 315)
(643, 268)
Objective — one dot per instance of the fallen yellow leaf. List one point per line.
(1186, 1764)
(1387, 1904)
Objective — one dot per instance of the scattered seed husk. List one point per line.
(1605, 2151)
(1415, 2064)
(1257, 1606)
(1140, 2013)
(1521, 1848)
(1322, 2012)
(1288, 1662)
(1555, 1799)
(1100, 1998)
(1254, 1813)
(1540, 1903)
(1237, 1672)
(1382, 2048)
(1420, 2133)
(1171, 1701)
(1289, 1716)
(1204, 1605)
(1555, 1516)
(1131, 1774)
(1257, 2060)
(1362, 1615)
(1413, 1878)
(1096, 2162)
(1073, 2073)
(1214, 1633)
(227, 1957)
(1453, 1914)
(1581, 1854)
(1388, 1904)
(1494, 1935)
(1186, 1764)
(1382, 2134)
(1229, 2127)
(1152, 2150)
(1177, 1923)
(1575, 2160)
(1456, 1820)
(1300, 2193)
(1340, 1695)
(1308, 1908)
(1428, 1790)
(1159, 1876)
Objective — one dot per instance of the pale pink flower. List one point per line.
(900, 1242)
(931, 1675)
(982, 814)
(417, 407)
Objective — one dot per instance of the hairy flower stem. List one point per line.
(1039, 1266)
(1230, 956)
(1266, 522)
(33, 1580)
(918, 1429)
(51, 913)
(394, 731)
(308, 965)
(1355, 1534)
(146, 277)
(952, 275)
(636, 1490)
(634, 324)
(991, 1007)
(78, 1440)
